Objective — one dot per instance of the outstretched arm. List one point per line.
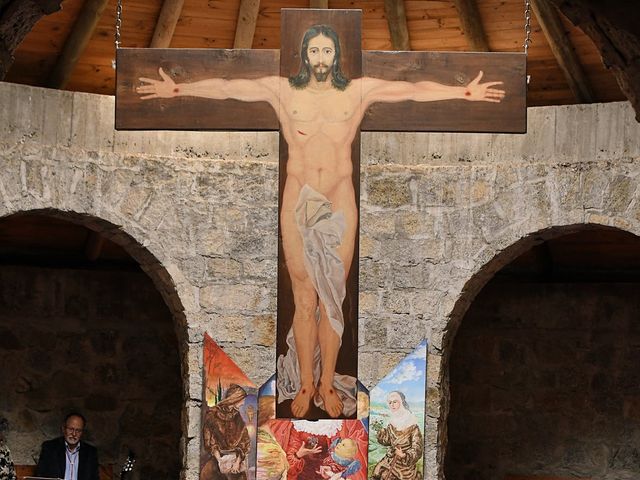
(377, 90)
(260, 89)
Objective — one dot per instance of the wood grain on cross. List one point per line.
(384, 91)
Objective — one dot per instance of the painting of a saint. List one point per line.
(396, 437)
(228, 418)
(402, 438)
(226, 437)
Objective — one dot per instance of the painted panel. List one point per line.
(317, 347)
(191, 112)
(457, 70)
(396, 444)
(328, 449)
(229, 417)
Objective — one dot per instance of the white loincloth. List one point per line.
(321, 230)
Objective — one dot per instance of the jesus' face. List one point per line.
(321, 52)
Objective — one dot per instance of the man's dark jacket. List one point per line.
(52, 460)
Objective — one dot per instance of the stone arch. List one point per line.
(502, 251)
(158, 267)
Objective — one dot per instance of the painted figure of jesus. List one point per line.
(320, 111)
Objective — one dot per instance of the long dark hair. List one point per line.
(338, 79)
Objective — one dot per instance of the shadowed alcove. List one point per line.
(83, 328)
(544, 377)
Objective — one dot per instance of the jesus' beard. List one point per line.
(321, 72)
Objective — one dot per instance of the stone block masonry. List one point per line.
(439, 214)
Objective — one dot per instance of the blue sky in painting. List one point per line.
(268, 387)
(408, 377)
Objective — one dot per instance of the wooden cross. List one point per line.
(323, 93)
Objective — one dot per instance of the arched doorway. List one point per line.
(82, 327)
(543, 372)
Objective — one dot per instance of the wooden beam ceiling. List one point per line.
(166, 24)
(397, 19)
(471, 25)
(77, 41)
(16, 21)
(433, 26)
(613, 28)
(246, 25)
(563, 50)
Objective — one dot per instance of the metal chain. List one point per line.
(118, 23)
(527, 25)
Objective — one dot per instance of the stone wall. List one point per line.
(440, 214)
(102, 343)
(545, 381)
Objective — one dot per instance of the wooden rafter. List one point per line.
(318, 3)
(166, 24)
(397, 19)
(246, 26)
(471, 25)
(563, 50)
(76, 43)
(17, 18)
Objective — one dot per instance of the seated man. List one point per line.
(66, 457)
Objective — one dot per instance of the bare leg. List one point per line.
(329, 347)
(305, 333)
(343, 199)
(305, 299)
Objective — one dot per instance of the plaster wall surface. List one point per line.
(440, 213)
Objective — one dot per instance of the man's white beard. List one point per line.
(328, 428)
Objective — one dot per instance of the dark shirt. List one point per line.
(52, 460)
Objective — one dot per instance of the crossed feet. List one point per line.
(302, 402)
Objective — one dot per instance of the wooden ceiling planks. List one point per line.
(76, 43)
(432, 25)
(166, 24)
(43, 45)
(246, 23)
(397, 22)
(472, 26)
(549, 18)
(138, 22)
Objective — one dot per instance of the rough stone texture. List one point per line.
(198, 211)
(99, 342)
(544, 380)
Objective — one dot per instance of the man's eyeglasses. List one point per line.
(73, 430)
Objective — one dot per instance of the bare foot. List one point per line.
(331, 400)
(301, 404)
